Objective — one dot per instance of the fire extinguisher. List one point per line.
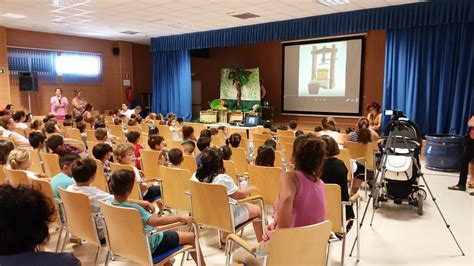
(128, 93)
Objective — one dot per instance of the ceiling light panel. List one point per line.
(13, 15)
(334, 2)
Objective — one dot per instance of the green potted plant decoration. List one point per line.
(240, 77)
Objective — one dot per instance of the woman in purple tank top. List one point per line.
(302, 199)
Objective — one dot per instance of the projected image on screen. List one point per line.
(322, 76)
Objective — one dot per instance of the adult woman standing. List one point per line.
(78, 103)
(374, 116)
(59, 104)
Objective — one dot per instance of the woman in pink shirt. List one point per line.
(302, 198)
(59, 105)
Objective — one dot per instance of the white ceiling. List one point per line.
(106, 19)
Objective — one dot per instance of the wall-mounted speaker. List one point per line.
(28, 81)
(116, 51)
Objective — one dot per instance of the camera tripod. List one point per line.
(379, 180)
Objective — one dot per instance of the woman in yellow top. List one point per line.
(374, 116)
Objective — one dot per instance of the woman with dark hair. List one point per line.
(24, 225)
(302, 198)
(265, 156)
(87, 113)
(364, 134)
(78, 103)
(374, 116)
(329, 128)
(6, 147)
(211, 170)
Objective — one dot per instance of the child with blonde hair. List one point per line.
(19, 159)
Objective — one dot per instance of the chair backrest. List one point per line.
(173, 144)
(117, 131)
(210, 206)
(3, 179)
(285, 133)
(126, 237)
(136, 192)
(217, 141)
(196, 126)
(72, 133)
(21, 132)
(261, 136)
(80, 221)
(150, 166)
(309, 245)
(16, 177)
(278, 159)
(90, 146)
(239, 156)
(361, 150)
(288, 150)
(174, 186)
(36, 164)
(257, 130)
(334, 206)
(165, 131)
(76, 143)
(267, 180)
(50, 163)
(100, 180)
(345, 156)
(134, 128)
(231, 170)
(286, 139)
(45, 187)
(257, 143)
(91, 135)
(241, 131)
(189, 163)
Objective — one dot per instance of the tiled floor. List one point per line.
(398, 235)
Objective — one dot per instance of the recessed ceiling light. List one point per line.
(13, 15)
(334, 2)
(129, 32)
(181, 26)
(66, 3)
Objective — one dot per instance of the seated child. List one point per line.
(158, 143)
(36, 140)
(103, 152)
(81, 126)
(175, 128)
(187, 147)
(226, 152)
(175, 157)
(153, 130)
(102, 136)
(299, 133)
(83, 171)
(121, 183)
(124, 155)
(55, 144)
(19, 159)
(64, 179)
(188, 133)
(133, 137)
(202, 144)
(293, 125)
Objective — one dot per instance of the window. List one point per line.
(79, 67)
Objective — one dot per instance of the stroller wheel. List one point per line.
(423, 192)
(420, 198)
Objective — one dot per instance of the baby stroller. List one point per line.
(398, 166)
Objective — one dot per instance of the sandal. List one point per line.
(470, 185)
(457, 187)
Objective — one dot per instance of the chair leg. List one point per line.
(358, 230)
(107, 257)
(343, 249)
(182, 258)
(59, 238)
(219, 235)
(228, 250)
(97, 255)
(66, 239)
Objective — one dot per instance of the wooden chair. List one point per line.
(258, 130)
(239, 156)
(278, 160)
(363, 153)
(241, 131)
(345, 156)
(150, 165)
(189, 163)
(288, 150)
(100, 180)
(126, 237)
(21, 132)
(79, 219)
(260, 136)
(257, 143)
(72, 133)
(173, 144)
(91, 135)
(173, 187)
(267, 180)
(36, 163)
(231, 170)
(3, 179)
(90, 146)
(134, 128)
(117, 131)
(165, 131)
(16, 178)
(336, 213)
(285, 139)
(285, 133)
(205, 197)
(136, 192)
(217, 141)
(50, 163)
(45, 187)
(309, 246)
(196, 126)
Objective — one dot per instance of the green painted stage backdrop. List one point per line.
(250, 92)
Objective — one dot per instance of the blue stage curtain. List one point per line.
(433, 12)
(172, 83)
(429, 74)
